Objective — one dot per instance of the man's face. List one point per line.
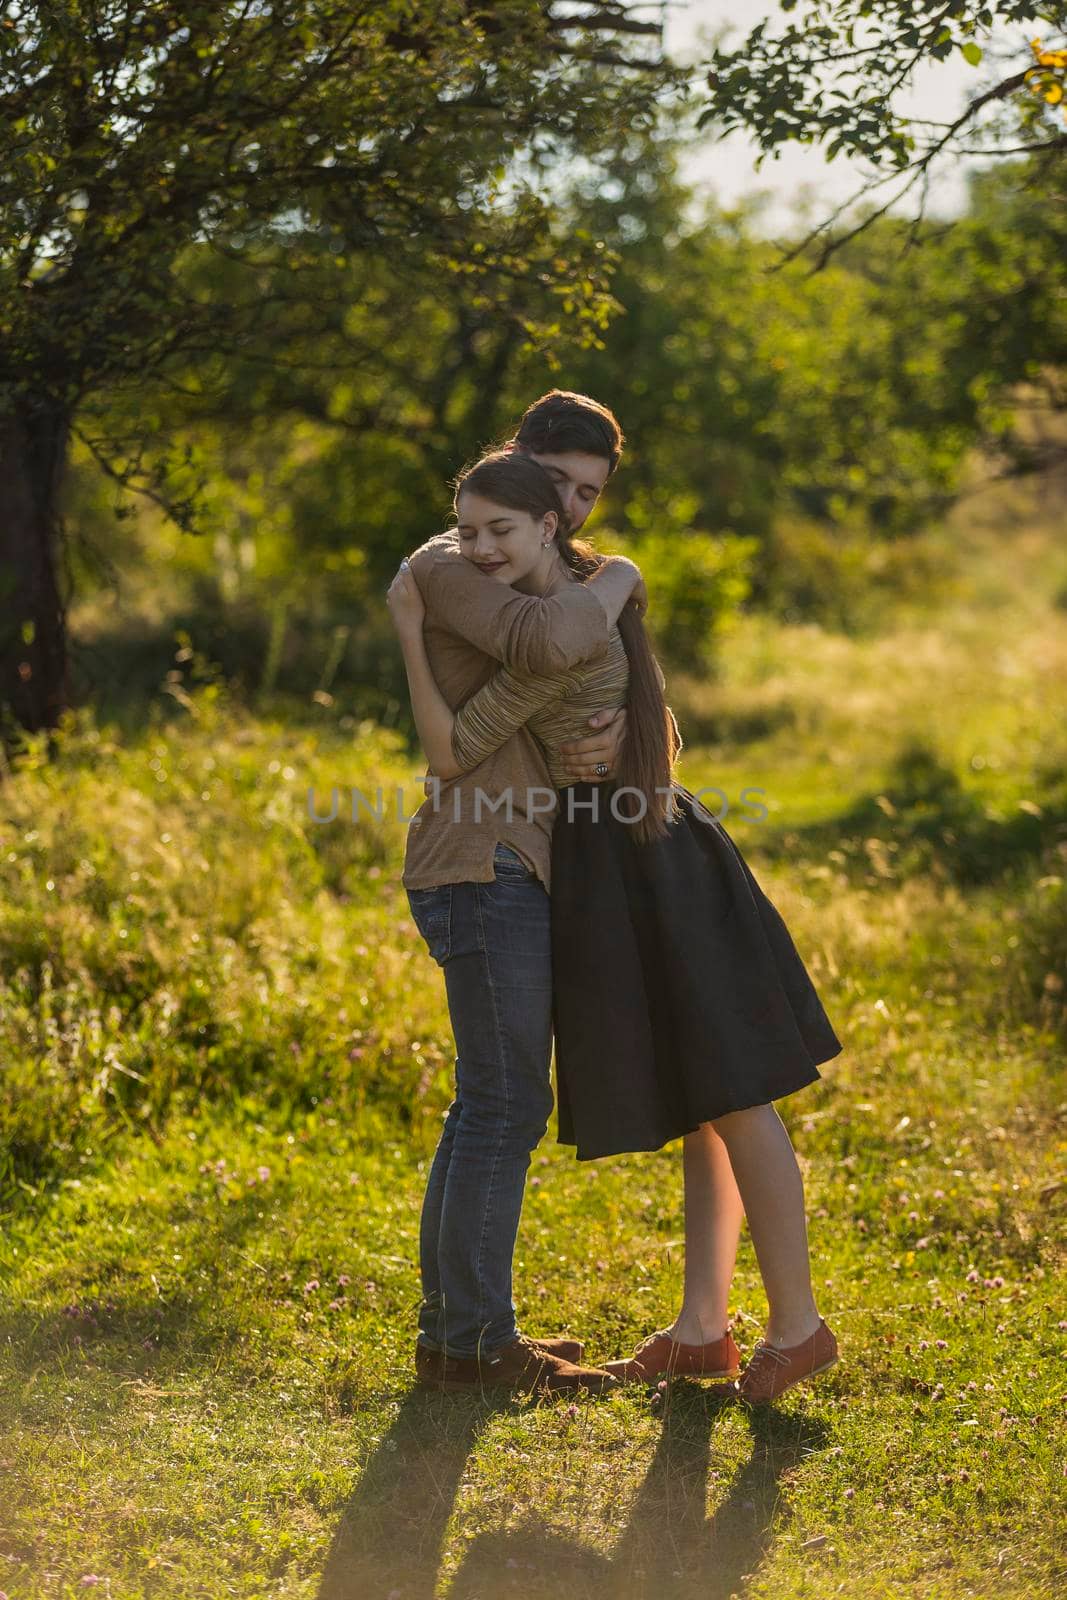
(579, 478)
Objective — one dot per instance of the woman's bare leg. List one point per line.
(768, 1178)
(713, 1216)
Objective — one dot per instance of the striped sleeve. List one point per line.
(501, 706)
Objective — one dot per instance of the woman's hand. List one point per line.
(639, 598)
(638, 594)
(405, 603)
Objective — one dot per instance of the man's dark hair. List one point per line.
(562, 421)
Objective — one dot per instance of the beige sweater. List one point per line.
(555, 707)
(472, 626)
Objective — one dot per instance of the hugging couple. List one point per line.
(570, 887)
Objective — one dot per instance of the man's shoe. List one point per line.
(660, 1355)
(557, 1344)
(521, 1365)
(770, 1371)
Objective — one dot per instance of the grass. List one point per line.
(226, 1060)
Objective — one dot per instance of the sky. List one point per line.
(727, 167)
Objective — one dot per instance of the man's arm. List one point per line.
(526, 632)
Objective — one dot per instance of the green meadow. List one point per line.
(226, 1057)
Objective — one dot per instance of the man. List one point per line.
(477, 880)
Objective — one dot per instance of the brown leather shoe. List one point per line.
(521, 1365)
(662, 1356)
(771, 1371)
(557, 1344)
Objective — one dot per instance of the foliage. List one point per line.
(154, 959)
(696, 585)
(834, 76)
(281, 140)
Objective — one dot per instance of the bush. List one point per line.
(175, 927)
(845, 578)
(697, 584)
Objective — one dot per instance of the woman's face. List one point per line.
(504, 544)
(579, 478)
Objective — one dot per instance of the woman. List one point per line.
(680, 1002)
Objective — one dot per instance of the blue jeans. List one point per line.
(493, 941)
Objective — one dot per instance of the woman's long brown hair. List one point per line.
(653, 742)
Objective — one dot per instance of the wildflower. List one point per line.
(335, 1305)
(850, 1494)
(312, 1283)
(343, 1280)
(941, 1344)
(571, 1412)
(262, 1173)
(973, 1275)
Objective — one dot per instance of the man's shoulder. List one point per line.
(442, 547)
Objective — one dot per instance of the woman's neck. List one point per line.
(546, 583)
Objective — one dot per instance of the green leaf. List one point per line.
(971, 52)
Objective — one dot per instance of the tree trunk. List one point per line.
(34, 685)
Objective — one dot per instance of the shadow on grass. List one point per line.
(393, 1531)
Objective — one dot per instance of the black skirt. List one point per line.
(678, 993)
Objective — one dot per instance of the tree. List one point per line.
(288, 137)
(851, 396)
(834, 77)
